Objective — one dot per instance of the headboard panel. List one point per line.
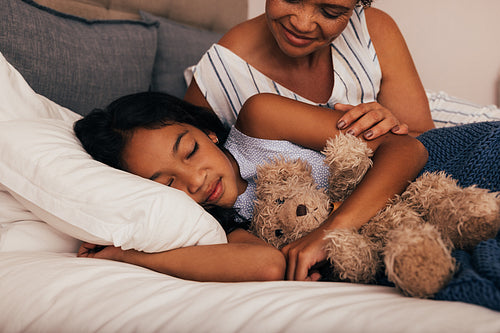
(216, 15)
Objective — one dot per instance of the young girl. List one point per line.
(177, 144)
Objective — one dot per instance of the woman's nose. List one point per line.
(303, 21)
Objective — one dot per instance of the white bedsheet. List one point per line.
(50, 292)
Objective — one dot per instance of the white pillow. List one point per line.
(21, 230)
(44, 166)
(19, 101)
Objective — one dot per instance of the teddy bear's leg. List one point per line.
(465, 215)
(353, 256)
(417, 260)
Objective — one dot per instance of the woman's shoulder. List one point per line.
(246, 37)
(379, 22)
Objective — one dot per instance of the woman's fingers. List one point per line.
(370, 119)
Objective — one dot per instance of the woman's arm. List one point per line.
(401, 91)
(244, 258)
(396, 161)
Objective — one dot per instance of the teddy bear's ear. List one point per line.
(348, 159)
(282, 171)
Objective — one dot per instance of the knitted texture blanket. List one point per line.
(469, 153)
(477, 279)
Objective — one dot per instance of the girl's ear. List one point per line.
(213, 137)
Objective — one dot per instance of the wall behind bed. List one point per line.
(455, 43)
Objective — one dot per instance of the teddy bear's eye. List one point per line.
(279, 201)
(278, 232)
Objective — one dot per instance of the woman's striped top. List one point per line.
(227, 81)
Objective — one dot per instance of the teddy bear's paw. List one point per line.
(466, 216)
(353, 256)
(475, 217)
(418, 261)
(348, 159)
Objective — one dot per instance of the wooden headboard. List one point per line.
(216, 15)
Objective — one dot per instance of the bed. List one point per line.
(52, 194)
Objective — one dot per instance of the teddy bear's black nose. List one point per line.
(278, 233)
(301, 210)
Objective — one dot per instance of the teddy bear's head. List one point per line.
(289, 203)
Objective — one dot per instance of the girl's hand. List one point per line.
(371, 119)
(89, 250)
(304, 255)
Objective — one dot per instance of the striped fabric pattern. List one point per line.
(450, 111)
(227, 81)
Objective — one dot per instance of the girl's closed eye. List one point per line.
(193, 150)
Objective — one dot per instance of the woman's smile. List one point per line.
(296, 39)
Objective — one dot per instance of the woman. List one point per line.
(333, 53)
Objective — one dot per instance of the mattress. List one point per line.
(58, 292)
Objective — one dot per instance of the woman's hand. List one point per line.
(371, 119)
(89, 250)
(304, 255)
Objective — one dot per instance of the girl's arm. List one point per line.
(244, 258)
(401, 91)
(396, 161)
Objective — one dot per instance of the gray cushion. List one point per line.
(77, 63)
(179, 46)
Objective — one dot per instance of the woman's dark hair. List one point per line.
(104, 133)
(365, 3)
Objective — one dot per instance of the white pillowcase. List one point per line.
(45, 168)
(21, 230)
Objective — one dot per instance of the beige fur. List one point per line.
(411, 238)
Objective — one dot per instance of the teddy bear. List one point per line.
(410, 240)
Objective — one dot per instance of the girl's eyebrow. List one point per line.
(178, 141)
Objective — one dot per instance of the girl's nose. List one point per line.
(195, 178)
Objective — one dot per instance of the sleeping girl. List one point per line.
(167, 140)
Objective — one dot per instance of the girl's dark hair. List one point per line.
(104, 133)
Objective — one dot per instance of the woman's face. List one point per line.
(183, 157)
(301, 27)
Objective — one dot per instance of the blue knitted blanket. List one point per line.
(471, 154)
(477, 279)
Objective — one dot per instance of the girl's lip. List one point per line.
(215, 192)
(296, 40)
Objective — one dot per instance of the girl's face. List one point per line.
(301, 27)
(183, 157)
